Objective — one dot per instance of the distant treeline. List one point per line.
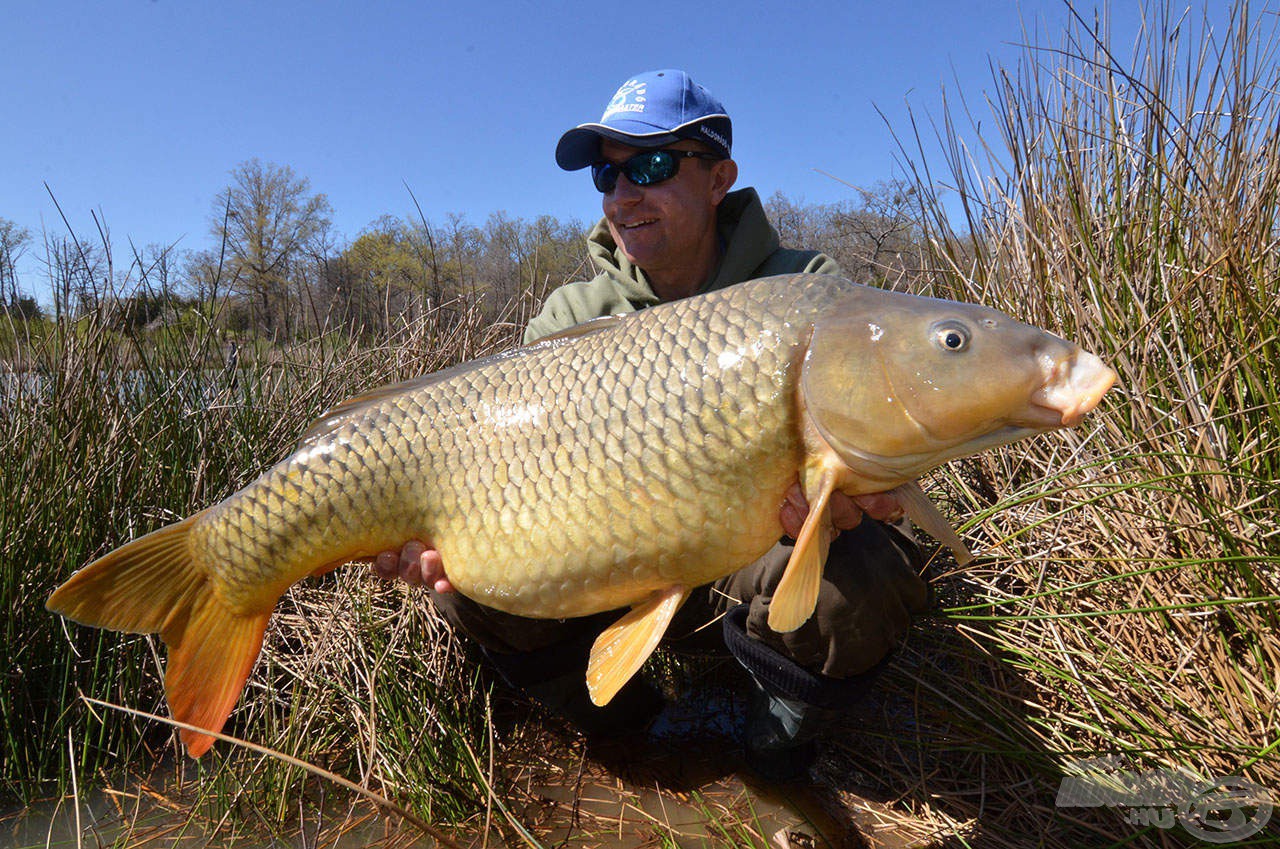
(276, 271)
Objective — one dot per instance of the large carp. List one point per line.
(621, 464)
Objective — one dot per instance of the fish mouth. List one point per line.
(1073, 386)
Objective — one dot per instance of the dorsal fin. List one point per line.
(352, 407)
(586, 328)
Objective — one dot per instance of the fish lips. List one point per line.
(1074, 385)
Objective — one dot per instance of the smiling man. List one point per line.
(660, 157)
(672, 227)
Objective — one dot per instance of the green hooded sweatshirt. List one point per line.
(751, 249)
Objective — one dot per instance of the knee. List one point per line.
(870, 588)
(794, 671)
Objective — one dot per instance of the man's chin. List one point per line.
(639, 251)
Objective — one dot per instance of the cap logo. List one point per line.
(630, 98)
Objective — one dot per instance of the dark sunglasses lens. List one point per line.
(605, 176)
(645, 169)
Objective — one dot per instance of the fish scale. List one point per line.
(621, 465)
(498, 529)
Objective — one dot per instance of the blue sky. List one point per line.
(139, 109)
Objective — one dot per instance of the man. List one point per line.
(661, 158)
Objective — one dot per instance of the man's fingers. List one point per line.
(386, 565)
(416, 565)
(410, 564)
(881, 505)
(431, 565)
(845, 512)
(794, 510)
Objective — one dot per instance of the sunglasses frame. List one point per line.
(605, 174)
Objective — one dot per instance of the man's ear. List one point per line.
(724, 173)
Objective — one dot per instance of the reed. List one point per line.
(1125, 600)
(107, 435)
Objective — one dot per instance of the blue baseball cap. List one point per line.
(651, 110)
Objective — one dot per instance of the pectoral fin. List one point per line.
(921, 510)
(622, 648)
(797, 593)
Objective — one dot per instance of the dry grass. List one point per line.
(1126, 600)
(98, 449)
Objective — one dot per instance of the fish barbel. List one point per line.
(620, 464)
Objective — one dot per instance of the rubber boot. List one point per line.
(789, 706)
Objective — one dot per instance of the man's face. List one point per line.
(668, 227)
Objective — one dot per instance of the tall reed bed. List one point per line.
(106, 435)
(1125, 605)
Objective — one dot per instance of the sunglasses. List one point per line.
(644, 169)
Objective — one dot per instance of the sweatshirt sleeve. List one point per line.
(791, 261)
(574, 303)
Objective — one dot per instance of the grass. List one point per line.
(107, 437)
(1124, 599)
(1128, 592)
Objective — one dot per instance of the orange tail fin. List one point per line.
(153, 585)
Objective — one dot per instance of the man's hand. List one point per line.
(415, 564)
(846, 511)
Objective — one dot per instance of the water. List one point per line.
(597, 812)
(675, 791)
(197, 387)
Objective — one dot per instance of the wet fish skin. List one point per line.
(882, 384)
(509, 467)
(622, 465)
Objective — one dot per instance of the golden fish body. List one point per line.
(576, 477)
(621, 465)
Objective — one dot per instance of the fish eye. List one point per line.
(951, 336)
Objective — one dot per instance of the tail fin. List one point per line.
(153, 585)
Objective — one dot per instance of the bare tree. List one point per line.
(881, 233)
(79, 275)
(13, 244)
(266, 218)
(504, 255)
(464, 246)
(875, 238)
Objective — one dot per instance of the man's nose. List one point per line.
(626, 191)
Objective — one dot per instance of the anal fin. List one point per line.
(211, 653)
(622, 648)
